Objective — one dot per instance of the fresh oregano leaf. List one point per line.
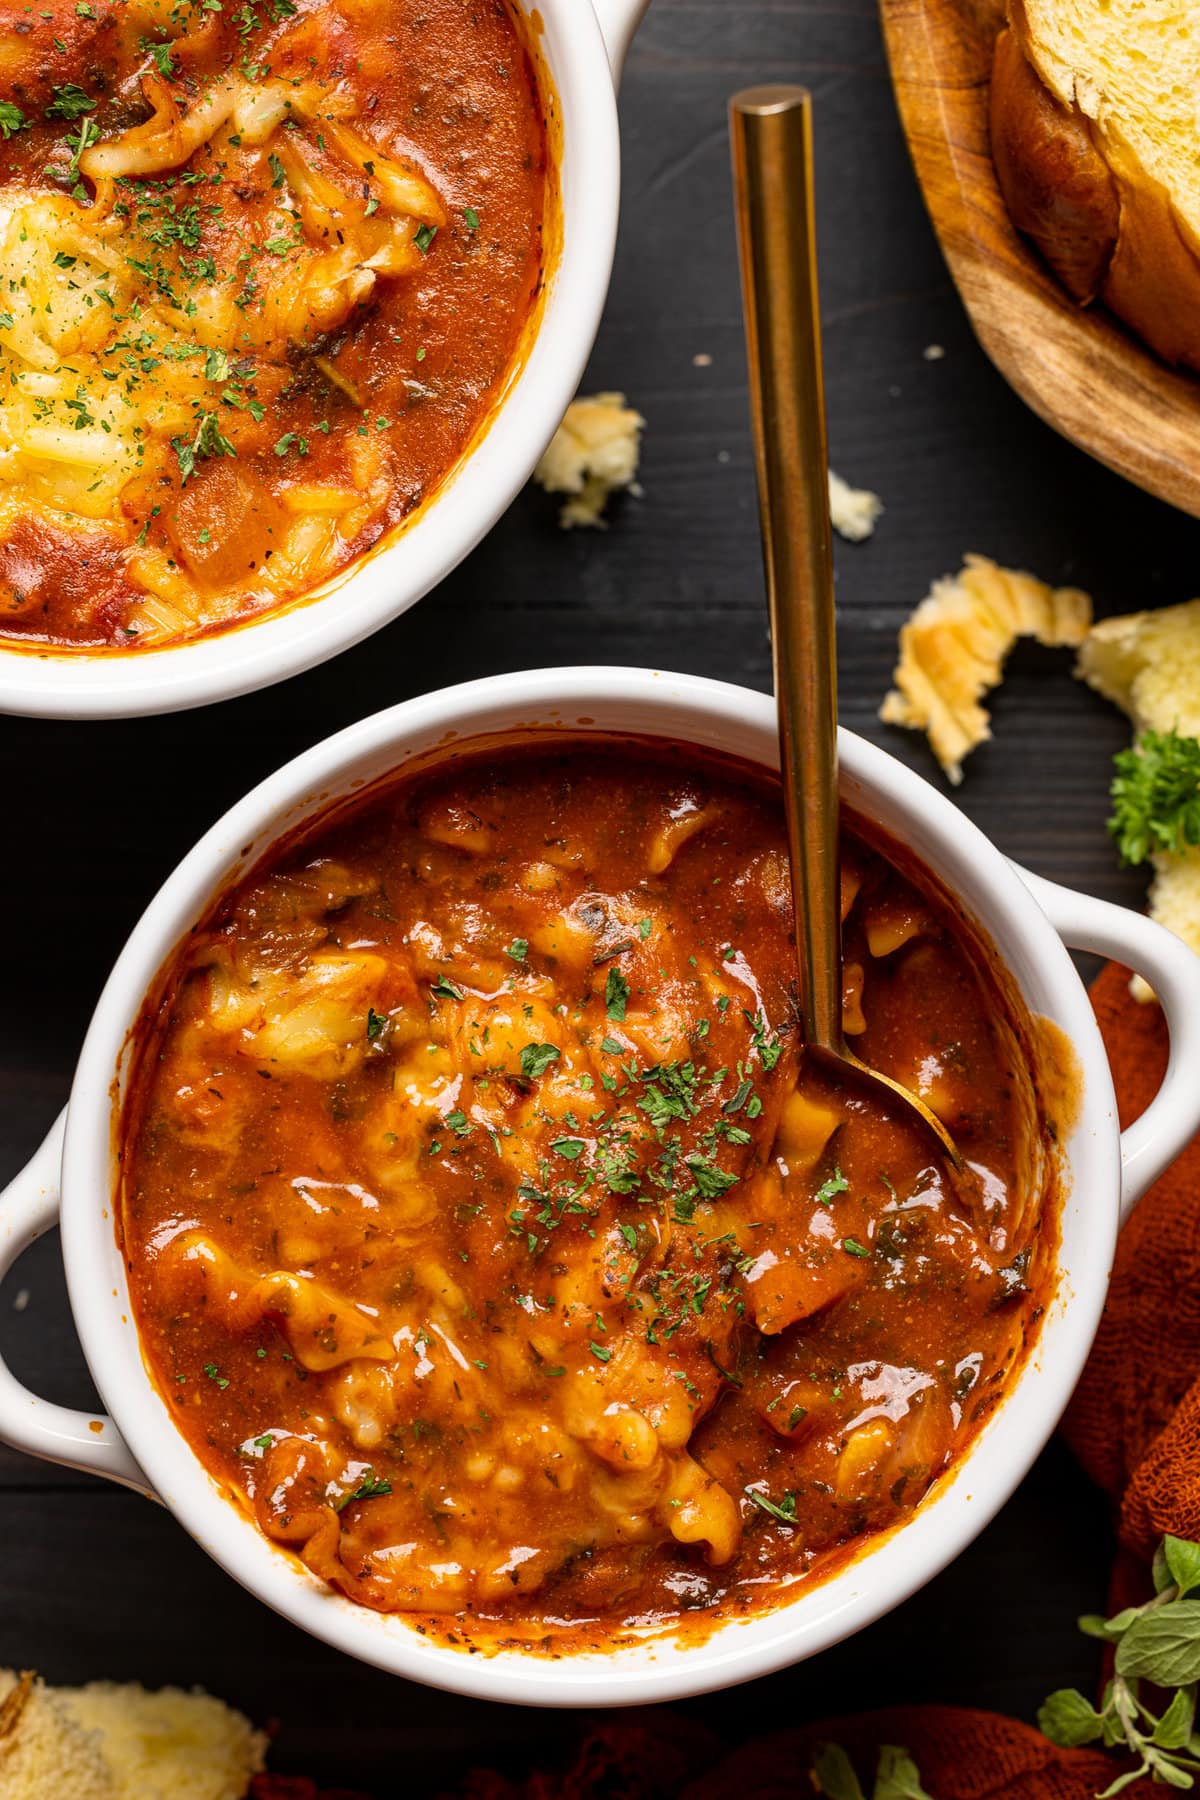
(1174, 1729)
(1092, 1625)
(1163, 1645)
(1183, 1562)
(897, 1777)
(834, 1774)
(1069, 1720)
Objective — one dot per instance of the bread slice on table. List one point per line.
(1097, 151)
(110, 1742)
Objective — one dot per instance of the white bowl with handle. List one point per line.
(582, 44)
(1029, 921)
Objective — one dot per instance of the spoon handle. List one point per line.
(771, 129)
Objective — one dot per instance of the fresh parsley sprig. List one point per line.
(896, 1776)
(1157, 1643)
(1156, 795)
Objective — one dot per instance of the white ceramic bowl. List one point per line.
(1027, 920)
(583, 43)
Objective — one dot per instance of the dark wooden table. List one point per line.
(96, 1582)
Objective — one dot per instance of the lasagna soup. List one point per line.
(265, 266)
(493, 1243)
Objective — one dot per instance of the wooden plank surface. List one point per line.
(96, 1582)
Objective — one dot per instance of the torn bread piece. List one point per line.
(1148, 664)
(952, 651)
(44, 1753)
(852, 511)
(122, 1742)
(594, 453)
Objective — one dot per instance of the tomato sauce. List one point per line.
(494, 1243)
(266, 267)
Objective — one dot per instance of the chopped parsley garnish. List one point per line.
(70, 102)
(835, 1184)
(214, 1374)
(599, 1351)
(369, 1488)
(710, 1180)
(518, 949)
(160, 55)
(571, 1148)
(423, 238)
(536, 1059)
(209, 440)
(852, 1247)
(458, 1122)
(471, 217)
(376, 1024)
(783, 1510)
(616, 996)
(445, 989)
(12, 119)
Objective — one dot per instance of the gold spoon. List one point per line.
(773, 190)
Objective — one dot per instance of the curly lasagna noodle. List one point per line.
(493, 1243)
(265, 266)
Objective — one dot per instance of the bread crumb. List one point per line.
(1148, 664)
(594, 453)
(702, 360)
(853, 511)
(952, 651)
(933, 352)
(20, 1299)
(110, 1742)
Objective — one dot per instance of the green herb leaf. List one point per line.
(536, 1059)
(445, 989)
(12, 119)
(369, 1488)
(518, 949)
(1069, 1720)
(376, 1024)
(1163, 1646)
(459, 1122)
(599, 1351)
(834, 1774)
(70, 102)
(160, 55)
(783, 1510)
(852, 1247)
(571, 1148)
(611, 1047)
(709, 1179)
(616, 996)
(836, 1184)
(1156, 795)
(897, 1776)
(1183, 1562)
(471, 217)
(423, 238)
(1174, 1729)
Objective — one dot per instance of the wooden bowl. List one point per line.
(1075, 366)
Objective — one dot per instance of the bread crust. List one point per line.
(1107, 232)
(1058, 188)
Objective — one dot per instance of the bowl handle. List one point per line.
(88, 1441)
(1172, 1118)
(619, 19)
